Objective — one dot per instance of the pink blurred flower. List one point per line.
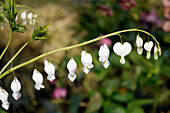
(167, 12)
(105, 10)
(166, 26)
(59, 93)
(151, 18)
(105, 41)
(166, 3)
(127, 4)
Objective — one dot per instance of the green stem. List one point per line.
(7, 45)
(71, 47)
(24, 6)
(120, 39)
(13, 57)
(155, 104)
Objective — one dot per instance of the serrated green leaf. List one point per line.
(40, 33)
(20, 29)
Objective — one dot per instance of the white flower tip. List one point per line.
(148, 55)
(72, 77)
(16, 96)
(156, 56)
(51, 77)
(106, 64)
(5, 105)
(38, 87)
(122, 60)
(140, 51)
(86, 70)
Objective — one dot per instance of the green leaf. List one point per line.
(94, 103)
(40, 33)
(110, 86)
(20, 29)
(123, 97)
(135, 109)
(113, 108)
(75, 101)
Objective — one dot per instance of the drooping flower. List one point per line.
(71, 66)
(86, 60)
(24, 17)
(148, 47)
(50, 70)
(30, 17)
(34, 20)
(159, 50)
(122, 50)
(16, 87)
(4, 98)
(59, 93)
(38, 78)
(104, 55)
(139, 43)
(155, 53)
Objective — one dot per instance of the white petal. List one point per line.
(71, 65)
(38, 78)
(103, 53)
(16, 87)
(86, 58)
(86, 70)
(122, 49)
(106, 64)
(16, 95)
(156, 56)
(51, 77)
(30, 15)
(49, 67)
(5, 105)
(122, 60)
(72, 76)
(148, 55)
(148, 46)
(140, 50)
(24, 15)
(3, 95)
(139, 41)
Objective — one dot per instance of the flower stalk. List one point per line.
(71, 47)
(10, 38)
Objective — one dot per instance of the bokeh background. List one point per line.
(139, 86)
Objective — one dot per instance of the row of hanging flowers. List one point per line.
(121, 49)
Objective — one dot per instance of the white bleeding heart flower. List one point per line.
(4, 98)
(71, 66)
(50, 70)
(122, 50)
(86, 60)
(16, 87)
(148, 47)
(30, 17)
(24, 17)
(38, 78)
(155, 53)
(139, 43)
(104, 55)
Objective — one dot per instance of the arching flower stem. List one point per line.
(71, 47)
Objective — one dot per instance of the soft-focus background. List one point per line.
(139, 86)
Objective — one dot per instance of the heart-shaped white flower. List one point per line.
(139, 43)
(24, 17)
(104, 55)
(4, 98)
(86, 59)
(16, 87)
(71, 66)
(38, 78)
(50, 70)
(122, 50)
(148, 47)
